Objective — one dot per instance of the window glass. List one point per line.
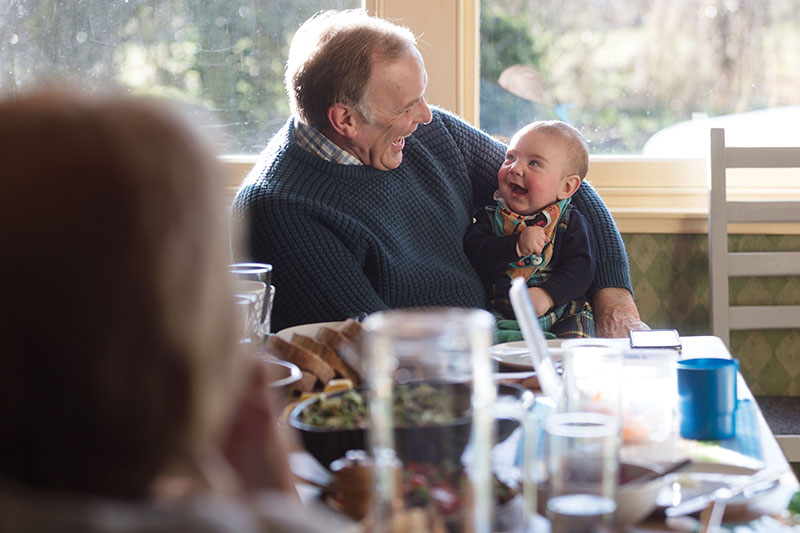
(642, 76)
(223, 58)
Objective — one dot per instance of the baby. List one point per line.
(533, 231)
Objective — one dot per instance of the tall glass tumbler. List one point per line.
(431, 396)
(246, 304)
(583, 459)
(261, 273)
(252, 271)
(534, 462)
(593, 375)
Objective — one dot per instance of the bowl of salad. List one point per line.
(432, 421)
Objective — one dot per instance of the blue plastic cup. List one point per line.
(707, 398)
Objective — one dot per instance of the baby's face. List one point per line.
(534, 173)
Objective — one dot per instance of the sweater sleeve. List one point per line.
(612, 268)
(482, 155)
(573, 273)
(488, 253)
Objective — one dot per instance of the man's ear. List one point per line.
(570, 185)
(343, 120)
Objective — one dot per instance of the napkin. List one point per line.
(508, 331)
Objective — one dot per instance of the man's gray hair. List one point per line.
(331, 59)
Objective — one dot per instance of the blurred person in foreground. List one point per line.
(361, 201)
(124, 402)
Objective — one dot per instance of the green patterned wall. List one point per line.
(670, 282)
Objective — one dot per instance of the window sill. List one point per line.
(686, 220)
(645, 195)
(649, 195)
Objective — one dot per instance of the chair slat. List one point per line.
(764, 264)
(763, 211)
(764, 317)
(752, 157)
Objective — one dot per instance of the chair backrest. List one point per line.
(724, 265)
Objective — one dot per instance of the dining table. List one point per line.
(752, 449)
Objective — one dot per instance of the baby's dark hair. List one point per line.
(577, 149)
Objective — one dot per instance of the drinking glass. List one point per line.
(246, 305)
(593, 375)
(260, 273)
(443, 436)
(582, 466)
(257, 292)
(534, 462)
(253, 271)
(649, 396)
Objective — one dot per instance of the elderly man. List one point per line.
(362, 199)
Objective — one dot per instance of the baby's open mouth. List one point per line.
(516, 189)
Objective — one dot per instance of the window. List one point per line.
(223, 58)
(642, 77)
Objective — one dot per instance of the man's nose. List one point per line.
(424, 112)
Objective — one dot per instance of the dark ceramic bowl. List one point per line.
(428, 444)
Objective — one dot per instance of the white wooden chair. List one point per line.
(724, 265)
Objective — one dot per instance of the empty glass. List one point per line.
(534, 462)
(257, 292)
(593, 376)
(246, 305)
(582, 466)
(649, 395)
(259, 273)
(253, 271)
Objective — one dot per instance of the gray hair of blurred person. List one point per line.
(331, 59)
(116, 343)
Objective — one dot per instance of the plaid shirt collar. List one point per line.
(312, 140)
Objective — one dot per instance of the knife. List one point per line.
(542, 359)
(698, 503)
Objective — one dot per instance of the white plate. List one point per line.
(704, 478)
(310, 330)
(515, 354)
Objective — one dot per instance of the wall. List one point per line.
(670, 279)
(447, 37)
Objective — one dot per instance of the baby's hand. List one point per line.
(542, 301)
(531, 241)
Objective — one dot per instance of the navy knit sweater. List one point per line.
(345, 240)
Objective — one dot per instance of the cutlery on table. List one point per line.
(723, 495)
(541, 358)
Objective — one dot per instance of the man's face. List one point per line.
(395, 95)
(534, 173)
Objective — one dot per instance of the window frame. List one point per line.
(644, 194)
